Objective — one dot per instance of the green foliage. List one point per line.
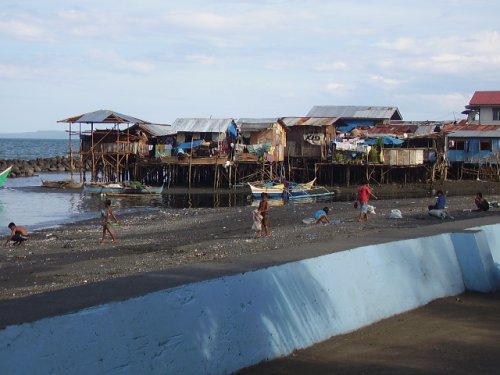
(373, 155)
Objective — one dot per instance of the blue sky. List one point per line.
(160, 60)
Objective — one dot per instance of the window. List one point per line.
(485, 145)
(456, 144)
(496, 114)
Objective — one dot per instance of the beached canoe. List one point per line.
(62, 184)
(278, 190)
(121, 188)
(4, 174)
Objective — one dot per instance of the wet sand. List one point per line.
(164, 239)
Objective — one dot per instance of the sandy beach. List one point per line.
(162, 239)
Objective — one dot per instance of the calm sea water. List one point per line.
(30, 149)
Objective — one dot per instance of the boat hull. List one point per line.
(279, 190)
(4, 174)
(64, 184)
(119, 189)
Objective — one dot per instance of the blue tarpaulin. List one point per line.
(193, 144)
(352, 124)
(232, 130)
(385, 140)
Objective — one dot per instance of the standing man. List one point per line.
(18, 234)
(363, 196)
(264, 212)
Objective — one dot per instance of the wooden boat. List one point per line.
(121, 188)
(277, 190)
(311, 192)
(4, 174)
(62, 184)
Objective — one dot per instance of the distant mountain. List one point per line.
(39, 134)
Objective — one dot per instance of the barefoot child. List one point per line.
(18, 234)
(264, 212)
(106, 216)
(257, 221)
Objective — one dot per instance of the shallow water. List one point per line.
(25, 202)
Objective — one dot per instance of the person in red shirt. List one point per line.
(363, 197)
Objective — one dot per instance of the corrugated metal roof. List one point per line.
(351, 111)
(398, 129)
(270, 120)
(474, 134)
(425, 129)
(201, 125)
(158, 130)
(485, 98)
(483, 128)
(309, 121)
(256, 124)
(103, 116)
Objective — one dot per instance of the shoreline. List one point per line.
(163, 239)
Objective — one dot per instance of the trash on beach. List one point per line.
(395, 214)
(440, 214)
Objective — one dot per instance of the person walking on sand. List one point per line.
(18, 234)
(106, 215)
(364, 193)
(264, 212)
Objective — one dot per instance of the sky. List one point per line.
(159, 60)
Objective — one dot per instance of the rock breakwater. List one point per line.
(27, 168)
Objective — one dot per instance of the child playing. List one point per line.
(18, 234)
(106, 216)
(257, 221)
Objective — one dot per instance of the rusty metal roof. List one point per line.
(480, 128)
(256, 124)
(309, 121)
(485, 98)
(351, 111)
(475, 134)
(103, 116)
(202, 125)
(398, 129)
(472, 131)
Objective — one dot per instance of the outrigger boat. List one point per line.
(291, 190)
(4, 174)
(121, 188)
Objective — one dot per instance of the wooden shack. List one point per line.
(261, 139)
(309, 137)
(109, 153)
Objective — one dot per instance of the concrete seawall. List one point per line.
(221, 324)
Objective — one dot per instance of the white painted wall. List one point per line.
(221, 325)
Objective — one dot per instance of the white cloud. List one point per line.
(324, 67)
(116, 61)
(201, 59)
(23, 30)
(385, 82)
(335, 87)
(17, 72)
